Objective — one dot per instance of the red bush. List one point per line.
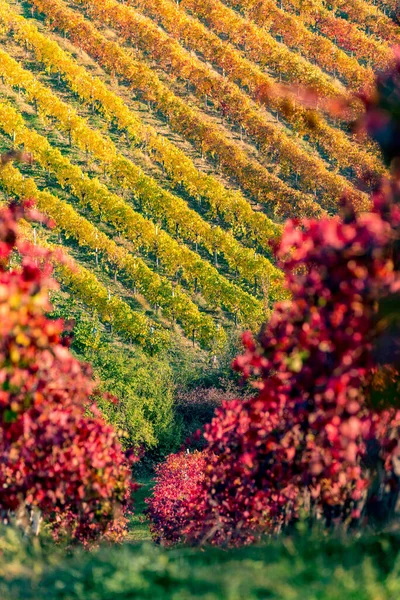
(53, 457)
(178, 481)
(305, 439)
(312, 438)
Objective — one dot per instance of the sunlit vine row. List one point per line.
(132, 325)
(369, 16)
(142, 233)
(255, 37)
(83, 284)
(291, 65)
(229, 204)
(160, 203)
(200, 130)
(259, 85)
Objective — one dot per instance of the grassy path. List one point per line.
(138, 525)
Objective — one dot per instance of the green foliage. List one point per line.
(142, 384)
(139, 530)
(300, 567)
(193, 368)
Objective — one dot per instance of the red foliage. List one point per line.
(304, 440)
(53, 457)
(178, 481)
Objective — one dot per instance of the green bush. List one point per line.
(142, 384)
(299, 567)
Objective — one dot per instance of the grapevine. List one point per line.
(173, 301)
(259, 85)
(252, 177)
(231, 205)
(284, 27)
(346, 34)
(368, 16)
(133, 326)
(313, 174)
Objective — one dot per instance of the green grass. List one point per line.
(138, 524)
(303, 566)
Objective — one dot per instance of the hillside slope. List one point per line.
(168, 152)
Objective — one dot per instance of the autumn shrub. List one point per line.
(308, 440)
(178, 480)
(57, 462)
